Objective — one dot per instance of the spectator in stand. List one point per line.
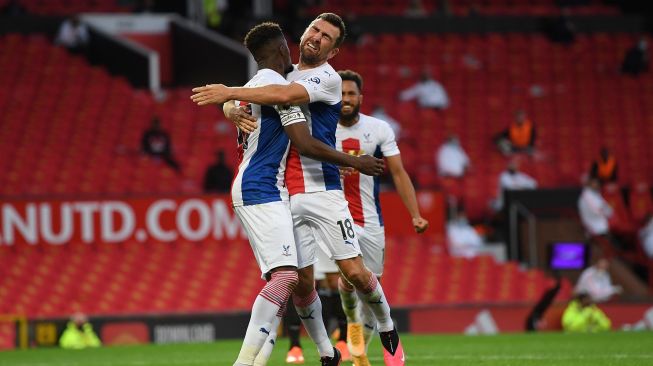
(604, 168)
(379, 112)
(512, 179)
(79, 334)
(429, 93)
(452, 159)
(636, 59)
(73, 35)
(518, 137)
(218, 176)
(462, 239)
(583, 316)
(595, 281)
(594, 210)
(156, 143)
(646, 236)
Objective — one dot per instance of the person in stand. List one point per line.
(604, 168)
(583, 316)
(79, 334)
(218, 176)
(156, 142)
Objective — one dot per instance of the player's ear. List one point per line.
(333, 53)
(360, 99)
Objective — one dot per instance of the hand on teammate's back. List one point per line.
(420, 224)
(241, 117)
(346, 171)
(370, 165)
(210, 94)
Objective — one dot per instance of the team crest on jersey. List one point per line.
(286, 250)
(367, 137)
(314, 80)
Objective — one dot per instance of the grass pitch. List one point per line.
(622, 349)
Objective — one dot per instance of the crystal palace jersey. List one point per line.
(262, 154)
(369, 136)
(324, 87)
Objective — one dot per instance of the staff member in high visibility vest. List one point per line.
(583, 316)
(604, 168)
(79, 334)
(518, 137)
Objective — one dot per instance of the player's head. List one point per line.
(352, 94)
(321, 39)
(594, 184)
(268, 45)
(584, 299)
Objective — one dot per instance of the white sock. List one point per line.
(309, 309)
(374, 297)
(369, 323)
(265, 310)
(266, 351)
(349, 300)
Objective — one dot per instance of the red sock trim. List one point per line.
(371, 285)
(304, 302)
(281, 285)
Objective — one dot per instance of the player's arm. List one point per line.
(307, 145)
(406, 191)
(291, 94)
(241, 118)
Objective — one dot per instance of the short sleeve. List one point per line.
(387, 140)
(322, 86)
(290, 114)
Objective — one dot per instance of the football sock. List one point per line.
(266, 351)
(369, 323)
(349, 301)
(267, 306)
(309, 309)
(372, 294)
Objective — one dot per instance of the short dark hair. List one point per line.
(335, 20)
(259, 36)
(352, 76)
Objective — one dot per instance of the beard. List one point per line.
(355, 109)
(312, 59)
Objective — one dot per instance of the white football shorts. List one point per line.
(323, 218)
(269, 228)
(372, 244)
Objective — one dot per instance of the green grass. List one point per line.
(622, 349)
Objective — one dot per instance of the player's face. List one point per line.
(351, 100)
(317, 44)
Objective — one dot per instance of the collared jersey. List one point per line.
(324, 88)
(370, 136)
(262, 154)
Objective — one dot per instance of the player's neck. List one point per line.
(303, 66)
(350, 121)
